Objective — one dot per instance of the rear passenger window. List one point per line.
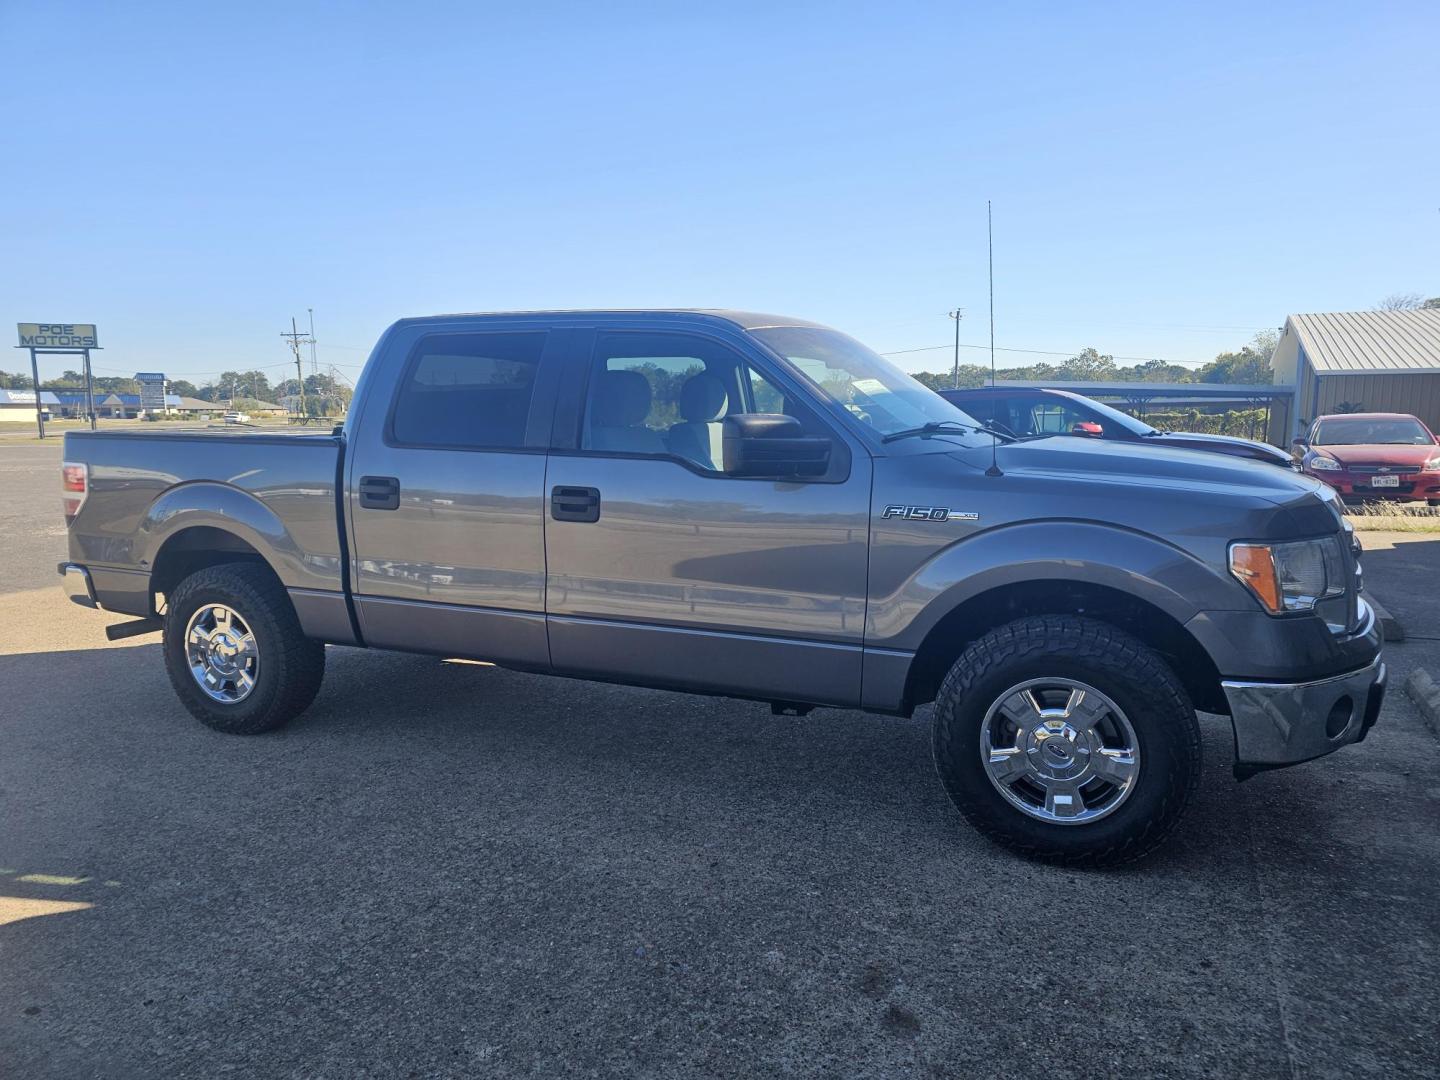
(470, 391)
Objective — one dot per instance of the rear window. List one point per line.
(470, 391)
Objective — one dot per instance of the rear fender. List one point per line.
(220, 506)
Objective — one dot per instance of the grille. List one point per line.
(1370, 470)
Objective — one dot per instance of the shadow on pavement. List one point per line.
(1403, 570)
(455, 870)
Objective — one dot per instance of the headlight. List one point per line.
(1321, 463)
(1290, 577)
(1433, 465)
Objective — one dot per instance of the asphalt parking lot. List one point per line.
(446, 869)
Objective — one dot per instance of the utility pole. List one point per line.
(957, 315)
(296, 340)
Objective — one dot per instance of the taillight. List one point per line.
(75, 482)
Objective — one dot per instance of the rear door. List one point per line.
(664, 570)
(446, 490)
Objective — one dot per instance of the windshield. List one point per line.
(1356, 432)
(871, 388)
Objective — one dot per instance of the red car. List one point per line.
(1373, 456)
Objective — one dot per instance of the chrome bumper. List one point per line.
(1286, 723)
(76, 585)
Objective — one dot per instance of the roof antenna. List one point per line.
(994, 469)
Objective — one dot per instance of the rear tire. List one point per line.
(1067, 740)
(234, 650)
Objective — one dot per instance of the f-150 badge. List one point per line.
(928, 513)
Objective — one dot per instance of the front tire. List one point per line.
(234, 650)
(1067, 740)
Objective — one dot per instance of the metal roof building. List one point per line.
(1382, 361)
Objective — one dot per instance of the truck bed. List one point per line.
(276, 490)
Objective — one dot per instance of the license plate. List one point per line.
(1385, 481)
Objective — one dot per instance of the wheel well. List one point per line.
(982, 613)
(194, 549)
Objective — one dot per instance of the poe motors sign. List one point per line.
(58, 336)
(50, 338)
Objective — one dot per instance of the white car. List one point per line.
(236, 418)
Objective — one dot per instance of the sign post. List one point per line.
(73, 339)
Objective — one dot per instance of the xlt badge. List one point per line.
(928, 513)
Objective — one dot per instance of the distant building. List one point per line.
(18, 406)
(1375, 361)
(127, 406)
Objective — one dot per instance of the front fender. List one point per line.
(229, 509)
(1141, 566)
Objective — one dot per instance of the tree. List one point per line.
(1154, 371)
(324, 394)
(971, 375)
(1250, 365)
(1433, 304)
(1402, 301)
(1087, 365)
(183, 388)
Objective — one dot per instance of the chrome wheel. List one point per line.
(221, 652)
(1060, 751)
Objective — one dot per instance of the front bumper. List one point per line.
(1280, 724)
(1410, 487)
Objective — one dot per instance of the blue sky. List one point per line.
(1166, 180)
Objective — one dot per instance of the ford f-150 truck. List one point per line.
(759, 507)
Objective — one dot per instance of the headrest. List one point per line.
(703, 399)
(622, 399)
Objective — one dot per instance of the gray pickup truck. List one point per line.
(758, 507)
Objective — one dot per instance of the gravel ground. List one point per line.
(452, 870)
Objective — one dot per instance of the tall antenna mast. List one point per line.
(994, 469)
(990, 235)
(314, 363)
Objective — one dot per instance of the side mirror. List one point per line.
(771, 444)
(1088, 427)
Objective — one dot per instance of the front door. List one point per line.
(685, 576)
(447, 495)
